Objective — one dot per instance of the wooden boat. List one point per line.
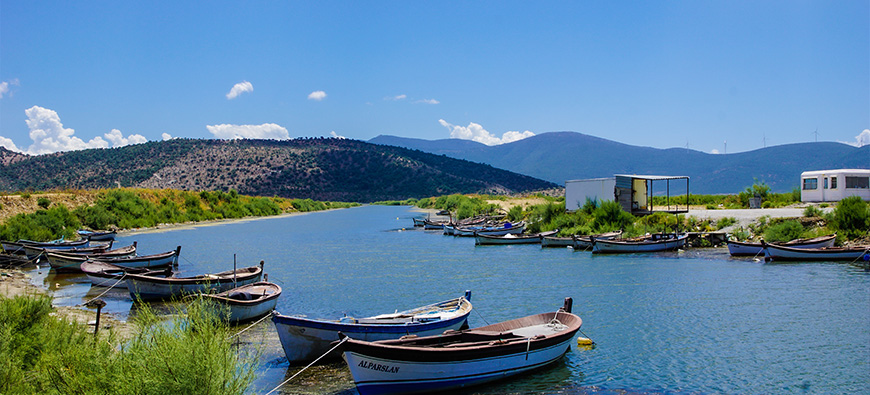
(583, 243)
(498, 230)
(657, 242)
(482, 239)
(97, 236)
(147, 261)
(434, 225)
(155, 288)
(418, 222)
(555, 241)
(305, 339)
(783, 253)
(12, 247)
(104, 274)
(70, 260)
(247, 302)
(739, 248)
(33, 249)
(459, 359)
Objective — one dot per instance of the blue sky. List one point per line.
(707, 74)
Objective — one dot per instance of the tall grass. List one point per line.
(49, 355)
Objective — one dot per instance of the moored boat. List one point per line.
(483, 239)
(418, 222)
(783, 253)
(156, 288)
(98, 236)
(34, 249)
(247, 302)
(147, 261)
(458, 359)
(555, 241)
(104, 274)
(584, 242)
(741, 248)
(498, 230)
(305, 339)
(70, 260)
(655, 243)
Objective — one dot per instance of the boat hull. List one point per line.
(780, 253)
(247, 302)
(627, 247)
(739, 248)
(156, 288)
(376, 376)
(306, 339)
(557, 242)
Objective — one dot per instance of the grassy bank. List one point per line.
(131, 208)
(45, 354)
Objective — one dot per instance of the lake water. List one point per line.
(695, 321)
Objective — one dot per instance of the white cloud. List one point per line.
(7, 142)
(714, 151)
(317, 95)
(49, 135)
(428, 101)
(397, 97)
(118, 140)
(477, 133)
(862, 138)
(5, 87)
(264, 131)
(166, 136)
(336, 135)
(240, 88)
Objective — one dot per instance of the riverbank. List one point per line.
(15, 282)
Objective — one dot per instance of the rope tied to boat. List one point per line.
(252, 325)
(309, 365)
(123, 277)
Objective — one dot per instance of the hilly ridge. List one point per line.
(561, 156)
(320, 169)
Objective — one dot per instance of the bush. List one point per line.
(725, 222)
(43, 225)
(812, 211)
(852, 217)
(43, 202)
(609, 216)
(784, 231)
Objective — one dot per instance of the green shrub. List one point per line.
(812, 211)
(43, 202)
(43, 225)
(725, 222)
(609, 216)
(784, 231)
(852, 217)
(515, 214)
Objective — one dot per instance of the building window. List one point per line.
(826, 183)
(857, 182)
(811, 183)
(833, 182)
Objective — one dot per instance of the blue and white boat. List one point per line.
(459, 359)
(305, 339)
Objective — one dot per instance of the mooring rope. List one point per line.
(252, 325)
(309, 365)
(862, 255)
(104, 292)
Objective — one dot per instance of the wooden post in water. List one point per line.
(234, 270)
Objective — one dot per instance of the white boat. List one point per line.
(584, 242)
(247, 302)
(783, 253)
(104, 274)
(98, 236)
(554, 241)
(148, 261)
(34, 249)
(145, 287)
(657, 242)
(482, 239)
(741, 248)
(460, 359)
(500, 230)
(305, 339)
(70, 260)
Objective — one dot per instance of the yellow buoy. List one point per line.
(584, 341)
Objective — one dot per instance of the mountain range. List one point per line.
(318, 168)
(561, 156)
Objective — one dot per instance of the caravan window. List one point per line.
(826, 183)
(834, 182)
(811, 183)
(857, 182)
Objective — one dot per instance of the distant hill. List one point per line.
(320, 169)
(561, 156)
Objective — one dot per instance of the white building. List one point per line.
(834, 185)
(597, 189)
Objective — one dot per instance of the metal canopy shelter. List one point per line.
(635, 192)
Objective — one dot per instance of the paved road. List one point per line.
(747, 216)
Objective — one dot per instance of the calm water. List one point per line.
(688, 322)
